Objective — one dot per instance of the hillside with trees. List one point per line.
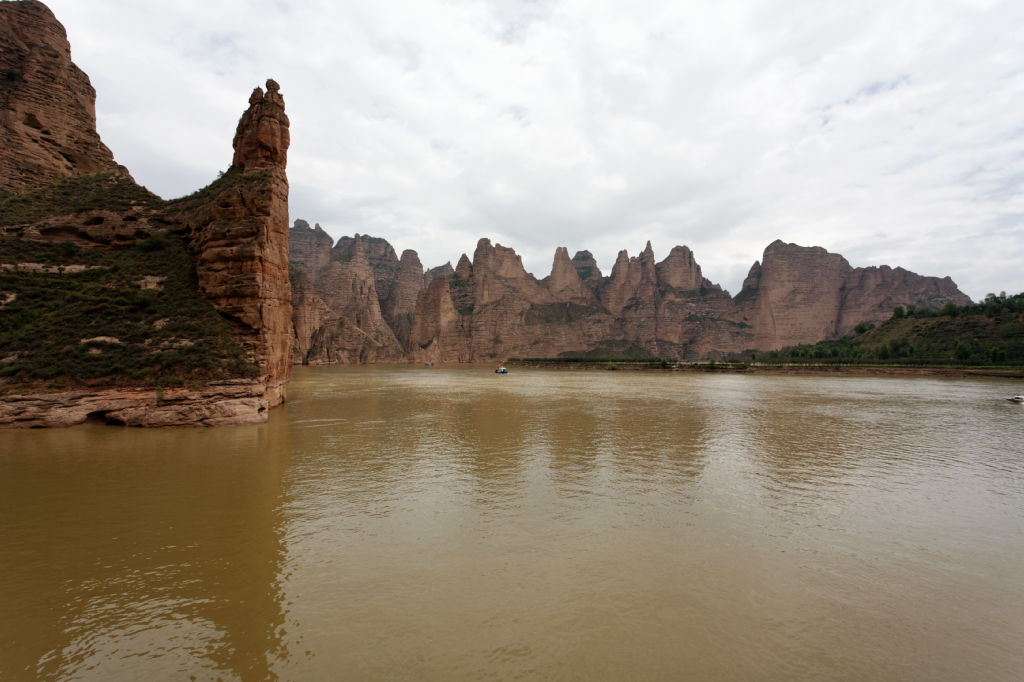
(989, 333)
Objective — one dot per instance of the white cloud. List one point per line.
(885, 131)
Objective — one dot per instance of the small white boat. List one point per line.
(501, 370)
(1016, 399)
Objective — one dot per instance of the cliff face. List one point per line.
(240, 239)
(229, 340)
(488, 308)
(339, 312)
(800, 294)
(47, 105)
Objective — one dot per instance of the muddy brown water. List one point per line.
(446, 523)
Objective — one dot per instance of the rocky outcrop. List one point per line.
(799, 294)
(680, 270)
(338, 311)
(47, 104)
(445, 271)
(227, 404)
(632, 280)
(400, 303)
(564, 282)
(309, 315)
(378, 254)
(309, 249)
(439, 333)
(240, 239)
(69, 189)
(586, 268)
(262, 137)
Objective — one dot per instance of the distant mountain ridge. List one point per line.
(358, 302)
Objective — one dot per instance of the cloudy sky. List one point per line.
(889, 131)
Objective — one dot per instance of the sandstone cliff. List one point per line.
(47, 104)
(800, 294)
(340, 314)
(239, 234)
(488, 307)
(119, 306)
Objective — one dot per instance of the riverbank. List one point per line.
(780, 368)
(226, 403)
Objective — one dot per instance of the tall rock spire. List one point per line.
(262, 138)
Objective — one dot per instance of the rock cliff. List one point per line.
(239, 235)
(799, 294)
(191, 300)
(339, 312)
(489, 308)
(47, 104)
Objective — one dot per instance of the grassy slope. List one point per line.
(989, 333)
(75, 194)
(166, 336)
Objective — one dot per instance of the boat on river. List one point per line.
(501, 370)
(1016, 399)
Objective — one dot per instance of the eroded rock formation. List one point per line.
(799, 294)
(240, 239)
(262, 137)
(55, 168)
(489, 308)
(340, 314)
(47, 104)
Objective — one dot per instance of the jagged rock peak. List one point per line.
(47, 104)
(441, 271)
(407, 284)
(680, 270)
(753, 279)
(564, 282)
(464, 268)
(586, 268)
(262, 137)
(309, 249)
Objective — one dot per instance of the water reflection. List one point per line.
(446, 523)
(128, 551)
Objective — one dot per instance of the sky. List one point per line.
(889, 131)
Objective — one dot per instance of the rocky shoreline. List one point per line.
(222, 404)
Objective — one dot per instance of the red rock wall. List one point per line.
(490, 308)
(237, 228)
(47, 104)
(239, 235)
(799, 294)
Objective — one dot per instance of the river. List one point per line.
(413, 523)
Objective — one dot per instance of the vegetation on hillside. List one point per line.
(75, 194)
(205, 195)
(134, 316)
(987, 333)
